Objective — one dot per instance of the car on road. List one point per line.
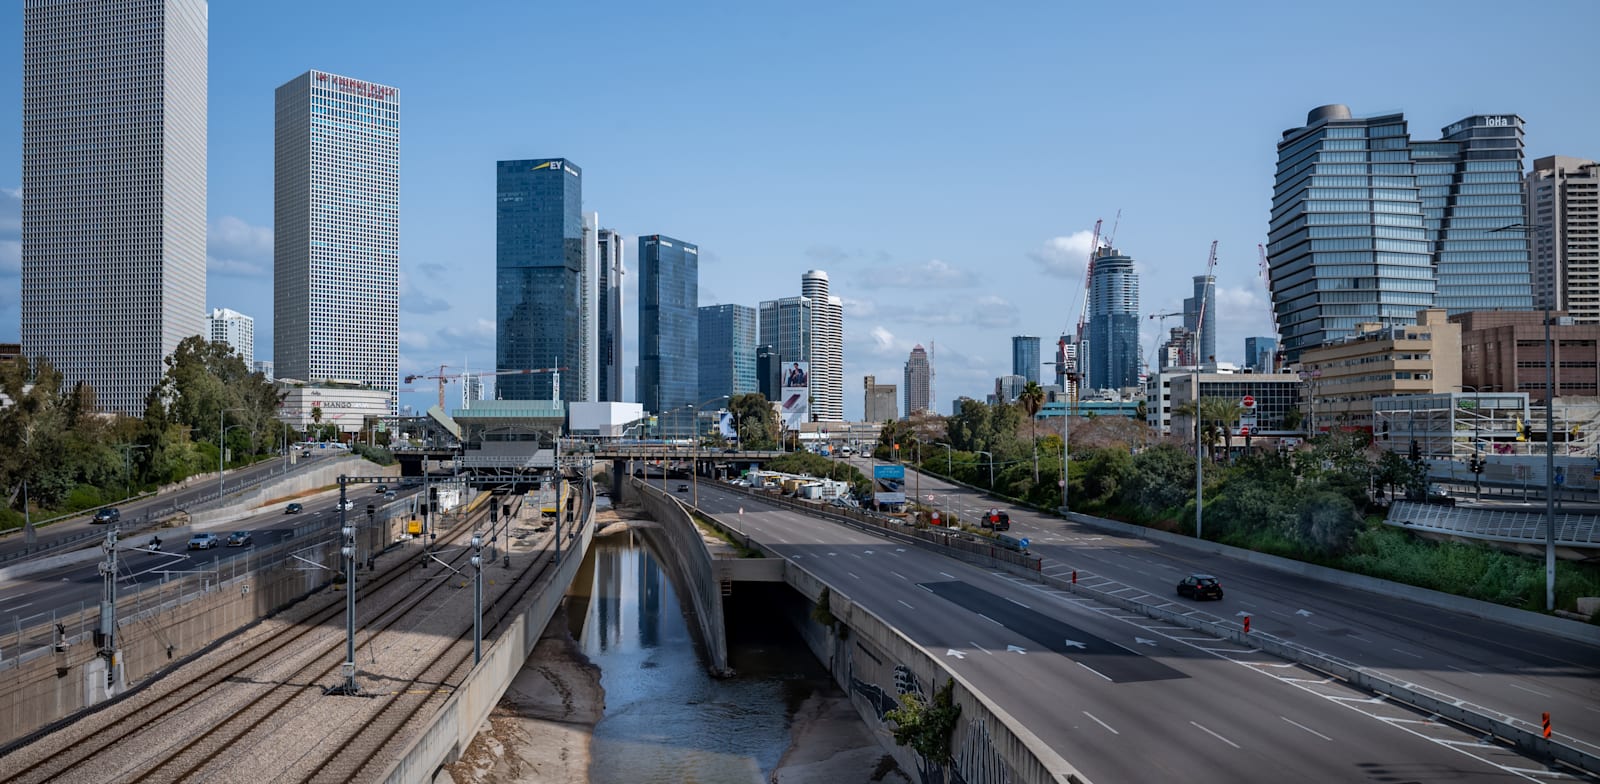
(996, 519)
(203, 541)
(381, 489)
(293, 509)
(347, 505)
(240, 539)
(107, 516)
(1200, 586)
(683, 488)
(388, 495)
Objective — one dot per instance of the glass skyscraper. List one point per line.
(610, 248)
(1471, 184)
(1258, 353)
(1114, 322)
(539, 263)
(669, 323)
(727, 351)
(1205, 296)
(1025, 357)
(786, 327)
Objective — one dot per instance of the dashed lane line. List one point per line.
(1108, 727)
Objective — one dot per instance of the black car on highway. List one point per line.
(240, 539)
(1200, 586)
(293, 509)
(107, 516)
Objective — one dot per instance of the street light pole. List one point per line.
(1549, 466)
(989, 455)
(1199, 463)
(222, 450)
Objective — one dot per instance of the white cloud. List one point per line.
(416, 341)
(235, 247)
(858, 308)
(882, 338)
(931, 274)
(1064, 257)
(15, 193)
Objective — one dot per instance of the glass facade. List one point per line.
(1025, 357)
(669, 323)
(786, 327)
(1258, 353)
(1114, 322)
(539, 260)
(1205, 293)
(1471, 184)
(727, 351)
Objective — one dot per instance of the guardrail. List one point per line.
(1572, 530)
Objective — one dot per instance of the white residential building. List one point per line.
(113, 123)
(336, 238)
(827, 348)
(1563, 196)
(235, 329)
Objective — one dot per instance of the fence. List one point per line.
(1572, 530)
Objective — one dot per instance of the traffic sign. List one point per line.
(1249, 401)
(1024, 542)
(1244, 431)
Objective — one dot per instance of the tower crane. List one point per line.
(1075, 376)
(442, 377)
(1163, 324)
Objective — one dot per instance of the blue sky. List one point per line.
(943, 162)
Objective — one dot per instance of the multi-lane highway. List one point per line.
(1124, 698)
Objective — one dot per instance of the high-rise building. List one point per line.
(1008, 388)
(471, 389)
(539, 277)
(1113, 321)
(1066, 359)
(669, 323)
(264, 367)
(918, 378)
(1471, 184)
(1259, 353)
(336, 232)
(586, 373)
(1563, 197)
(235, 329)
(827, 348)
(113, 189)
(769, 372)
(786, 328)
(1025, 360)
(879, 404)
(727, 351)
(611, 248)
(1205, 295)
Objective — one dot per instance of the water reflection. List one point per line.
(666, 720)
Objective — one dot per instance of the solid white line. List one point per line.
(1101, 723)
(1095, 671)
(990, 620)
(981, 648)
(897, 574)
(947, 574)
(1304, 727)
(908, 607)
(1479, 675)
(1407, 653)
(1017, 603)
(14, 609)
(1215, 735)
(1514, 685)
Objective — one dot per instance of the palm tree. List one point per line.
(1032, 399)
(1223, 413)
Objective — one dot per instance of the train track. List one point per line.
(69, 763)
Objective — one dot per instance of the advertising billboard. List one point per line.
(796, 394)
(889, 484)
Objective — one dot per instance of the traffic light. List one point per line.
(1476, 464)
(1416, 451)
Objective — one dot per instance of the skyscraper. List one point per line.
(336, 231)
(235, 329)
(1563, 196)
(878, 403)
(539, 269)
(610, 249)
(827, 348)
(1205, 294)
(1025, 357)
(113, 189)
(1259, 353)
(1471, 184)
(669, 323)
(769, 372)
(727, 351)
(786, 328)
(1114, 322)
(586, 373)
(918, 378)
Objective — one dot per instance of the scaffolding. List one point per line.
(1457, 425)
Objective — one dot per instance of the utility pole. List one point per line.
(1549, 466)
(477, 597)
(107, 636)
(348, 551)
(1199, 460)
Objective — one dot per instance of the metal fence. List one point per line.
(1572, 530)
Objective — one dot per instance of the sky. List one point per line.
(943, 162)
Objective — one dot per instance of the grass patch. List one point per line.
(708, 527)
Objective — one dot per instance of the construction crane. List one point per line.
(442, 377)
(1200, 320)
(1266, 278)
(1163, 326)
(1075, 376)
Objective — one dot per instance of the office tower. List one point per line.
(769, 369)
(1563, 197)
(919, 379)
(1113, 321)
(878, 404)
(1025, 357)
(727, 351)
(827, 348)
(1066, 359)
(786, 329)
(113, 189)
(669, 324)
(235, 329)
(336, 232)
(1259, 353)
(1205, 294)
(610, 249)
(1471, 184)
(1008, 388)
(471, 389)
(586, 373)
(539, 277)
(264, 367)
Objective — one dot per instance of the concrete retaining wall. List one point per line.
(320, 477)
(690, 560)
(452, 728)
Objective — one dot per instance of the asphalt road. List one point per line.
(1515, 672)
(1124, 699)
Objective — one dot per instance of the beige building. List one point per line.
(1563, 196)
(881, 404)
(349, 406)
(1380, 361)
(1504, 351)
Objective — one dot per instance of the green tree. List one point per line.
(927, 727)
(755, 421)
(1162, 478)
(1031, 400)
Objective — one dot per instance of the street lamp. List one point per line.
(127, 450)
(222, 449)
(949, 462)
(991, 465)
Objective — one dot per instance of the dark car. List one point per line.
(1200, 586)
(239, 539)
(107, 516)
(293, 509)
(683, 488)
(381, 489)
(996, 519)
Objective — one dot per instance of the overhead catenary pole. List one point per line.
(348, 551)
(1549, 466)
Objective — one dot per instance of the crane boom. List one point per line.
(1200, 320)
(443, 377)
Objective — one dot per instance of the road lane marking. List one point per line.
(1101, 723)
(897, 574)
(990, 620)
(947, 574)
(1322, 626)
(976, 646)
(14, 609)
(1017, 603)
(1406, 653)
(853, 574)
(1095, 671)
(908, 607)
(1304, 727)
(1215, 735)
(1515, 685)
(1480, 675)
(925, 588)
(1357, 637)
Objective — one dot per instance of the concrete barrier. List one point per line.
(691, 561)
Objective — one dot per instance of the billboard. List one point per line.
(889, 484)
(725, 425)
(795, 398)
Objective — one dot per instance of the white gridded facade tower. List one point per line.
(113, 189)
(229, 326)
(336, 239)
(827, 348)
(1563, 196)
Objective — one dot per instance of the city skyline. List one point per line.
(900, 283)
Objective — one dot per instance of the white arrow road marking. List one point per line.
(955, 653)
(1015, 649)
(1075, 644)
(1143, 641)
(1306, 613)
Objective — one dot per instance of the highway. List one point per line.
(1124, 698)
(1512, 671)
